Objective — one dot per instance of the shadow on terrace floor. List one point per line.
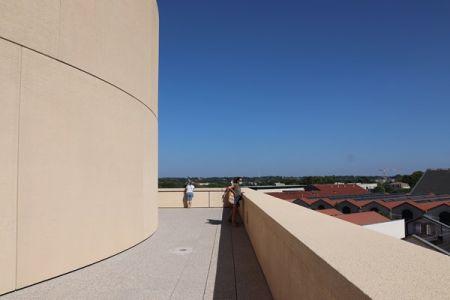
(238, 273)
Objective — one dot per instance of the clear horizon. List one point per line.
(288, 176)
(303, 88)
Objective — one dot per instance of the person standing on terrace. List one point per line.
(189, 190)
(235, 189)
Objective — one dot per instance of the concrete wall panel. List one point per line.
(9, 115)
(176, 199)
(203, 197)
(84, 175)
(200, 200)
(123, 53)
(170, 199)
(34, 24)
(150, 174)
(215, 199)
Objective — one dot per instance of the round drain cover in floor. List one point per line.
(181, 250)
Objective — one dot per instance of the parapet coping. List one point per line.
(379, 265)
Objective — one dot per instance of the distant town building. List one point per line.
(367, 186)
(381, 180)
(399, 185)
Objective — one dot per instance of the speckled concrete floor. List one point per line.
(193, 255)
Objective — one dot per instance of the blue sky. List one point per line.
(296, 88)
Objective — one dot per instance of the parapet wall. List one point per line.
(308, 255)
(203, 197)
(78, 133)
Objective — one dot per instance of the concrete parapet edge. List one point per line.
(308, 255)
(203, 197)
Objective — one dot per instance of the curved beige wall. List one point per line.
(78, 133)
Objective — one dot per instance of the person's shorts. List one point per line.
(189, 196)
(237, 199)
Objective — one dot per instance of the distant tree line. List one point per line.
(179, 182)
(409, 179)
(412, 179)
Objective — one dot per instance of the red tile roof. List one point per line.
(363, 218)
(359, 203)
(308, 201)
(303, 196)
(324, 190)
(330, 211)
(326, 200)
(286, 195)
(395, 204)
(379, 202)
(340, 189)
(426, 206)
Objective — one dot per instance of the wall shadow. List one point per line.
(185, 200)
(238, 273)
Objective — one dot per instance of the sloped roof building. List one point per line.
(433, 181)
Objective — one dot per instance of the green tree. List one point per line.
(415, 176)
(379, 189)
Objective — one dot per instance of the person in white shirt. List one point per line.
(189, 190)
(235, 190)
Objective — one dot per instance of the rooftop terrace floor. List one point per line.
(194, 254)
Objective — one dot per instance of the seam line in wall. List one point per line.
(86, 72)
(59, 28)
(17, 167)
